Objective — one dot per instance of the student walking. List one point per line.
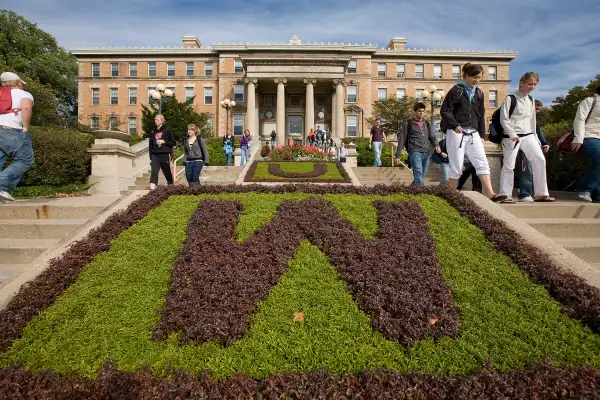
(161, 146)
(376, 140)
(519, 134)
(245, 147)
(463, 114)
(586, 127)
(228, 143)
(195, 155)
(273, 139)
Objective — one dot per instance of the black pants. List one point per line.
(161, 161)
(470, 171)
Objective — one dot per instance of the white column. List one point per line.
(280, 118)
(333, 127)
(339, 111)
(257, 119)
(310, 107)
(251, 108)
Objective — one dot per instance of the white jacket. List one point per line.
(522, 121)
(591, 129)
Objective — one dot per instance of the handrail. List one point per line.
(175, 173)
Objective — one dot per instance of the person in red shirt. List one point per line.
(375, 140)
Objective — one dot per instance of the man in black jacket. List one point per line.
(161, 146)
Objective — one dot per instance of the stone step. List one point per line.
(38, 228)
(25, 210)
(566, 227)
(24, 251)
(595, 265)
(554, 210)
(9, 271)
(588, 249)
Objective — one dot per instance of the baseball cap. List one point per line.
(10, 77)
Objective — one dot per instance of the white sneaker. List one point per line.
(527, 199)
(152, 186)
(7, 197)
(585, 196)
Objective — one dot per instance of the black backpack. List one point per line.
(461, 91)
(496, 130)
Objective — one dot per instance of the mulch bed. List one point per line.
(215, 289)
(297, 177)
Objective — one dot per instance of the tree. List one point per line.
(565, 108)
(49, 70)
(177, 116)
(392, 112)
(543, 116)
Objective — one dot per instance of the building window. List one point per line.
(132, 125)
(351, 93)
(295, 100)
(493, 95)
(189, 69)
(171, 69)
(94, 122)
(208, 69)
(112, 123)
(352, 125)
(114, 69)
(189, 93)
(419, 70)
(437, 72)
(381, 70)
(320, 100)
(95, 96)
(238, 92)
(381, 94)
(238, 124)
(208, 95)
(132, 69)
(492, 73)
(351, 67)
(418, 93)
(400, 70)
(456, 72)
(114, 96)
(237, 66)
(151, 69)
(269, 100)
(95, 70)
(150, 99)
(132, 96)
(400, 93)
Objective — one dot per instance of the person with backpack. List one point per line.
(586, 128)
(228, 143)
(195, 155)
(161, 143)
(15, 115)
(519, 127)
(441, 158)
(463, 121)
(419, 138)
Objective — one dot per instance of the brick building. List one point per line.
(287, 87)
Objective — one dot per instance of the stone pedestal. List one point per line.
(494, 156)
(352, 159)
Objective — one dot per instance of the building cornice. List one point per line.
(476, 54)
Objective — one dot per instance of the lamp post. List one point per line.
(433, 96)
(158, 94)
(227, 104)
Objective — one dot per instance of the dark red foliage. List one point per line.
(535, 382)
(313, 176)
(218, 283)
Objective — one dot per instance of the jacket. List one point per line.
(416, 141)
(590, 128)
(164, 133)
(460, 111)
(522, 121)
(197, 151)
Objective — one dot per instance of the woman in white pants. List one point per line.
(520, 134)
(463, 114)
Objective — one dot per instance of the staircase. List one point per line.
(29, 229)
(212, 175)
(371, 176)
(572, 224)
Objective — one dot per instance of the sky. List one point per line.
(559, 39)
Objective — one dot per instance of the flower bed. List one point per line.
(375, 272)
(308, 172)
(298, 153)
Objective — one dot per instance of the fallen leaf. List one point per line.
(299, 316)
(432, 320)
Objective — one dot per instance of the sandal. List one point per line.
(498, 197)
(545, 199)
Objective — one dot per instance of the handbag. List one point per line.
(566, 141)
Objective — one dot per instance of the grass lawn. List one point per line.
(32, 192)
(112, 310)
(262, 170)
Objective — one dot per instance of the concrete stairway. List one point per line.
(212, 175)
(573, 225)
(31, 228)
(371, 176)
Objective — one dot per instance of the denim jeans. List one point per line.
(192, 172)
(273, 144)
(16, 145)
(591, 180)
(420, 163)
(377, 152)
(445, 168)
(245, 155)
(229, 157)
(525, 176)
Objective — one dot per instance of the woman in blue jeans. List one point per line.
(587, 140)
(245, 147)
(195, 155)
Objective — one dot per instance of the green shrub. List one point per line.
(366, 157)
(31, 192)
(61, 157)
(216, 155)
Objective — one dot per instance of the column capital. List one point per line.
(251, 80)
(338, 82)
(307, 81)
(280, 80)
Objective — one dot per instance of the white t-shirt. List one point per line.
(11, 120)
